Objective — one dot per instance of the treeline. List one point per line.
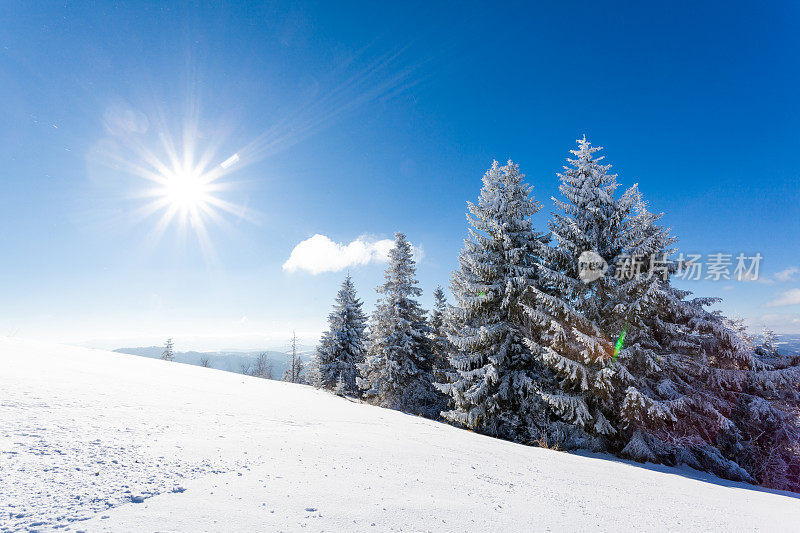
(533, 351)
(261, 366)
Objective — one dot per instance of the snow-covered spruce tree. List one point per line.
(168, 354)
(397, 372)
(700, 394)
(571, 320)
(313, 375)
(767, 351)
(623, 401)
(759, 400)
(626, 400)
(340, 389)
(675, 393)
(441, 346)
(668, 413)
(494, 370)
(341, 348)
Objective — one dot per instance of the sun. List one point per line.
(186, 191)
(187, 186)
(184, 176)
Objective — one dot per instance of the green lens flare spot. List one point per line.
(620, 342)
(481, 294)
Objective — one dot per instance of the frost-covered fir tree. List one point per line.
(695, 390)
(313, 376)
(341, 348)
(440, 344)
(769, 339)
(397, 370)
(340, 389)
(685, 386)
(168, 354)
(667, 413)
(757, 402)
(573, 318)
(768, 349)
(495, 370)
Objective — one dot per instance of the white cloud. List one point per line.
(749, 276)
(319, 254)
(788, 323)
(787, 274)
(790, 297)
(783, 276)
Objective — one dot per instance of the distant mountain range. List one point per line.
(237, 362)
(788, 343)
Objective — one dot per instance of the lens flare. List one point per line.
(620, 342)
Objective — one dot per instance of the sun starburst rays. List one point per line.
(181, 159)
(185, 188)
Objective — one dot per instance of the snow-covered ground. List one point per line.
(100, 441)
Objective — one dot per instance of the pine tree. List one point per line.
(768, 350)
(573, 315)
(697, 392)
(313, 376)
(340, 389)
(686, 387)
(341, 348)
(397, 370)
(768, 339)
(669, 412)
(757, 403)
(495, 370)
(168, 353)
(441, 346)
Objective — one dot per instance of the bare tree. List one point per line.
(246, 368)
(262, 368)
(293, 373)
(205, 362)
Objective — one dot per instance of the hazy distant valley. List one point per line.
(230, 361)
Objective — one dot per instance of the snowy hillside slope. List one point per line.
(125, 443)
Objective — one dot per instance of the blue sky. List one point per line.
(354, 120)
